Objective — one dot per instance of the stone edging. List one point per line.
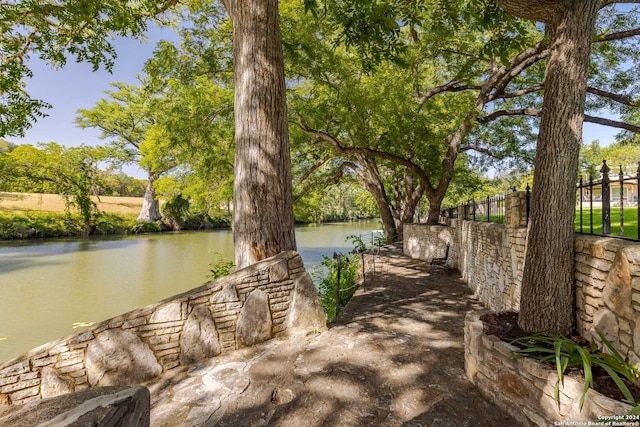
(269, 299)
(523, 387)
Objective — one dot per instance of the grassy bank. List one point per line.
(34, 215)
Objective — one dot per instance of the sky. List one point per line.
(76, 86)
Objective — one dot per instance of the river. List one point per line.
(47, 287)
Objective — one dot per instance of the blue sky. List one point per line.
(77, 86)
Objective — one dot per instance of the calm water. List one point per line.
(46, 287)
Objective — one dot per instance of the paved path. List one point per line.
(394, 358)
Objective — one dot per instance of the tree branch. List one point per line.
(612, 123)
(450, 86)
(516, 112)
(617, 36)
(614, 97)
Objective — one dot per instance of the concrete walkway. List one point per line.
(394, 357)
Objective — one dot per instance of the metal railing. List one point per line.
(609, 207)
(489, 209)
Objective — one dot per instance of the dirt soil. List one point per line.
(505, 326)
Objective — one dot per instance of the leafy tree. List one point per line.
(402, 124)
(52, 168)
(55, 30)
(132, 118)
(547, 287)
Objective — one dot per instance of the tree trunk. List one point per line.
(370, 177)
(150, 211)
(262, 206)
(547, 298)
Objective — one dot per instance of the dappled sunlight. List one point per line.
(394, 356)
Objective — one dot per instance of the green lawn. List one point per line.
(630, 221)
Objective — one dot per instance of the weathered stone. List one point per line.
(199, 340)
(279, 271)
(606, 323)
(512, 386)
(227, 294)
(117, 357)
(169, 312)
(52, 384)
(305, 311)
(93, 407)
(617, 293)
(17, 368)
(254, 322)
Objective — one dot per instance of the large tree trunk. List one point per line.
(150, 210)
(547, 298)
(262, 206)
(370, 177)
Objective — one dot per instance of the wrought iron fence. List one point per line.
(604, 207)
(489, 209)
(609, 206)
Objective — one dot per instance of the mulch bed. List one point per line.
(505, 326)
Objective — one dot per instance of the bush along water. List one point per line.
(342, 268)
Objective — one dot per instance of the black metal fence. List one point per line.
(490, 209)
(604, 207)
(609, 206)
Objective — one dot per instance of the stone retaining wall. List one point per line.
(524, 388)
(269, 299)
(490, 258)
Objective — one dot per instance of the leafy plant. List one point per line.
(565, 352)
(326, 278)
(358, 243)
(220, 267)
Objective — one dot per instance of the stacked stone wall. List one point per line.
(272, 298)
(525, 388)
(490, 258)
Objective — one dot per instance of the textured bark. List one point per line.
(262, 207)
(150, 210)
(370, 177)
(547, 298)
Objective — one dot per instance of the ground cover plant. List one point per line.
(606, 372)
(326, 279)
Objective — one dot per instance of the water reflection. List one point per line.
(47, 286)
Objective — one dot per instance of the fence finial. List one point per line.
(605, 171)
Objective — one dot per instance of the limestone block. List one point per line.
(117, 357)
(606, 323)
(512, 386)
(227, 294)
(279, 271)
(305, 311)
(636, 338)
(617, 292)
(199, 340)
(92, 407)
(170, 312)
(53, 384)
(254, 322)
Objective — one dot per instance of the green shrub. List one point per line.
(325, 276)
(220, 267)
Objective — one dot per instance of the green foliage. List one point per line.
(358, 244)
(564, 353)
(326, 278)
(70, 171)
(220, 266)
(53, 31)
